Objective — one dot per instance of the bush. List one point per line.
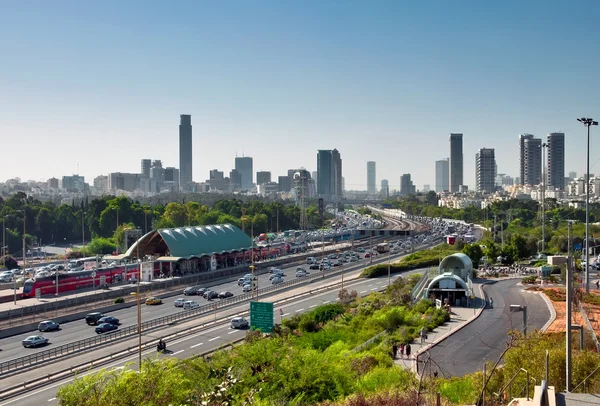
(119, 300)
(9, 262)
(529, 279)
(419, 259)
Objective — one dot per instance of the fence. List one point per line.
(589, 325)
(369, 341)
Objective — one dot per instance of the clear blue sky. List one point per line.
(100, 85)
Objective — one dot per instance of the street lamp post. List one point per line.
(323, 252)
(519, 308)
(544, 175)
(4, 235)
(370, 244)
(83, 232)
(588, 122)
(24, 242)
(389, 267)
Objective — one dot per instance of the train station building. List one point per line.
(453, 283)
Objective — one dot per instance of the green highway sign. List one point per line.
(261, 316)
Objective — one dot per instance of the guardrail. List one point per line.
(75, 346)
(589, 325)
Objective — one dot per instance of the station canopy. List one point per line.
(173, 244)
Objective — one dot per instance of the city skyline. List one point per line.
(112, 85)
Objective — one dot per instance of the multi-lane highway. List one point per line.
(206, 339)
(485, 339)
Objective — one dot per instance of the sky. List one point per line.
(93, 87)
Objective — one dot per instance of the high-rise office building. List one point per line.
(442, 175)
(124, 181)
(75, 183)
(485, 170)
(385, 188)
(406, 185)
(371, 178)
(556, 161)
(337, 178)
(324, 171)
(171, 182)
(145, 169)
(263, 177)
(530, 160)
(235, 179)
(285, 183)
(572, 175)
(185, 152)
(456, 162)
(243, 164)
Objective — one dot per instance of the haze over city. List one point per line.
(94, 88)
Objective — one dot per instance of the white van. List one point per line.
(310, 260)
(239, 322)
(190, 304)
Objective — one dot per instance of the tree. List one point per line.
(519, 245)
(474, 252)
(44, 224)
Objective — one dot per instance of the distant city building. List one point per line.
(218, 181)
(338, 181)
(263, 177)
(371, 178)
(172, 178)
(128, 182)
(73, 184)
(442, 175)
(185, 151)
(101, 183)
(406, 185)
(456, 162)
(485, 172)
(556, 161)
(284, 183)
(572, 175)
(329, 174)
(268, 189)
(244, 166)
(385, 188)
(530, 160)
(145, 167)
(53, 183)
(426, 188)
(235, 179)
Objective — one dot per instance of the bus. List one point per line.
(80, 264)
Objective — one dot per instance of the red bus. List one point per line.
(451, 239)
(78, 280)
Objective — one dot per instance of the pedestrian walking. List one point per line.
(423, 335)
(597, 284)
(395, 350)
(435, 373)
(402, 351)
(408, 351)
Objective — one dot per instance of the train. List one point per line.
(71, 281)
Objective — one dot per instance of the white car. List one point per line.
(300, 273)
(6, 277)
(277, 280)
(239, 322)
(190, 304)
(248, 288)
(249, 276)
(179, 302)
(34, 341)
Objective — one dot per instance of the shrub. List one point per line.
(529, 279)
(119, 300)
(9, 262)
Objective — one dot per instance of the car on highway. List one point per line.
(243, 281)
(325, 267)
(314, 266)
(276, 275)
(193, 290)
(239, 322)
(105, 328)
(277, 280)
(48, 325)
(92, 318)
(109, 320)
(151, 301)
(190, 304)
(249, 276)
(211, 294)
(6, 276)
(301, 272)
(248, 287)
(179, 302)
(34, 341)
(225, 295)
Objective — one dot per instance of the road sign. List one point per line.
(577, 247)
(261, 316)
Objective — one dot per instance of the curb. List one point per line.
(550, 308)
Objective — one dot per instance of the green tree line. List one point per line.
(106, 218)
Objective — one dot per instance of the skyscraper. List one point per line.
(263, 177)
(243, 164)
(406, 185)
(485, 172)
(185, 152)
(556, 161)
(337, 178)
(371, 178)
(530, 160)
(442, 175)
(145, 169)
(385, 188)
(324, 172)
(456, 162)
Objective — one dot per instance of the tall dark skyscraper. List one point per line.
(244, 165)
(371, 178)
(485, 170)
(530, 160)
(185, 151)
(456, 162)
(329, 174)
(442, 175)
(337, 178)
(556, 161)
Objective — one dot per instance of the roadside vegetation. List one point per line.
(309, 358)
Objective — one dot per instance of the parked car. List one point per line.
(105, 328)
(92, 318)
(225, 295)
(211, 294)
(239, 322)
(153, 301)
(109, 320)
(48, 325)
(34, 341)
(179, 302)
(6, 277)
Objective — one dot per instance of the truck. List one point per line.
(383, 248)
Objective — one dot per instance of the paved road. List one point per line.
(77, 330)
(204, 340)
(484, 339)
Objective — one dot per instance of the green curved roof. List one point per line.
(204, 240)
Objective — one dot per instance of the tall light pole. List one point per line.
(370, 244)
(24, 242)
(544, 174)
(252, 266)
(588, 122)
(389, 266)
(139, 311)
(83, 231)
(4, 235)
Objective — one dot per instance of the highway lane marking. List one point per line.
(363, 291)
(233, 331)
(370, 285)
(299, 310)
(50, 400)
(285, 314)
(175, 353)
(196, 345)
(215, 338)
(313, 306)
(325, 302)
(373, 288)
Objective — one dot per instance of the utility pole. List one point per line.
(139, 308)
(277, 218)
(544, 197)
(24, 241)
(569, 300)
(494, 230)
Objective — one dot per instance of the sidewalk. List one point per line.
(460, 317)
